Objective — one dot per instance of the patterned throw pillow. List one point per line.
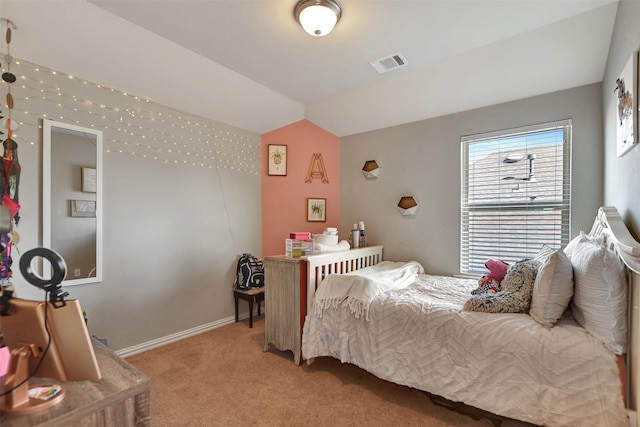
(515, 296)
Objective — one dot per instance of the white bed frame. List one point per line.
(320, 266)
(607, 223)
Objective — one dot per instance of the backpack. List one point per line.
(249, 273)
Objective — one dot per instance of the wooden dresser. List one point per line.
(290, 281)
(121, 398)
(284, 312)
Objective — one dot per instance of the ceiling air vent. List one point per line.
(389, 63)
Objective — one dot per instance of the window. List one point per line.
(516, 193)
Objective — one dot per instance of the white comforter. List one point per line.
(503, 363)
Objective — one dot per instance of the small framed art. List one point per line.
(83, 208)
(316, 210)
(89, 180)
(627, 106)
(277, 160)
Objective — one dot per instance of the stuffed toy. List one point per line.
(490, 283)
(515, 294)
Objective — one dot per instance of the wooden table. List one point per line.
(251, 296)
(120, 398)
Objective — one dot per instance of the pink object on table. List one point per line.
(5, 357)
(300, 235)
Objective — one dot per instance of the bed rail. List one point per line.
(320, 266)
(609, 224)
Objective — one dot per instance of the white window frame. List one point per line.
(495, 221)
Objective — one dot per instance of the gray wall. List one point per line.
(181, 203)
(622, 175)
(422, 159)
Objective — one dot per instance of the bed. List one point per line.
(508, 364)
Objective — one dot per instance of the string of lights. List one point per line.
(131, 125)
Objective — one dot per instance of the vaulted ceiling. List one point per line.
(461, 55)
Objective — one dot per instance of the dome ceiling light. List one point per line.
(317, 17)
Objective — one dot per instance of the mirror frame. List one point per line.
(47, 127)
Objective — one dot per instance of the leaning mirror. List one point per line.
(72, 199)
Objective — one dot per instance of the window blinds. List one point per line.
(516, 193)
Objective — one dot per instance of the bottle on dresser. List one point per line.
(363, 241)
(355, 236)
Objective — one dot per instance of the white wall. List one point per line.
(181, 203)
(622, 175)
(77, 37)
(422, 159)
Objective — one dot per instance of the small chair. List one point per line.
(250, 295)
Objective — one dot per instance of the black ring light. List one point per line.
(58, 272)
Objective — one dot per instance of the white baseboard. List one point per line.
(159, 342)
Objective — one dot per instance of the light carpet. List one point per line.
(224, 378)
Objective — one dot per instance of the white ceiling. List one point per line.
(462, 54)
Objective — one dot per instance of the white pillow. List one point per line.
(599, 300)
(581, 238)
(553, 288)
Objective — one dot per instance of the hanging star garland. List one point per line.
(9, 172)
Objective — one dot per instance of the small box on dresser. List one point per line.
(295, 248)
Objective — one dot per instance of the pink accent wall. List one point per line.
(284, 198)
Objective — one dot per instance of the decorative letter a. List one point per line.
(316, 169)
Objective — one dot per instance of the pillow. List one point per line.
(553, 287)
(582, 238)
(599, 302)
(515, 296)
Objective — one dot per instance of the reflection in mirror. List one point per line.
(72, 199)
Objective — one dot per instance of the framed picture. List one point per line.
(277, 160)
(316, 210)
(83, 208)
(627, 106)
(89, 180)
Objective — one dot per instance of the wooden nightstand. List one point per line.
(284, 313)
(121, 398)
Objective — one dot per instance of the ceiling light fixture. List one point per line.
(317, 17)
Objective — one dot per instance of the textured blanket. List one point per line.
(358, 288)
(505, 363)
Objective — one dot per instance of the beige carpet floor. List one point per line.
(224, 378)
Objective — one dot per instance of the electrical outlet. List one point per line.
(76, 272)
